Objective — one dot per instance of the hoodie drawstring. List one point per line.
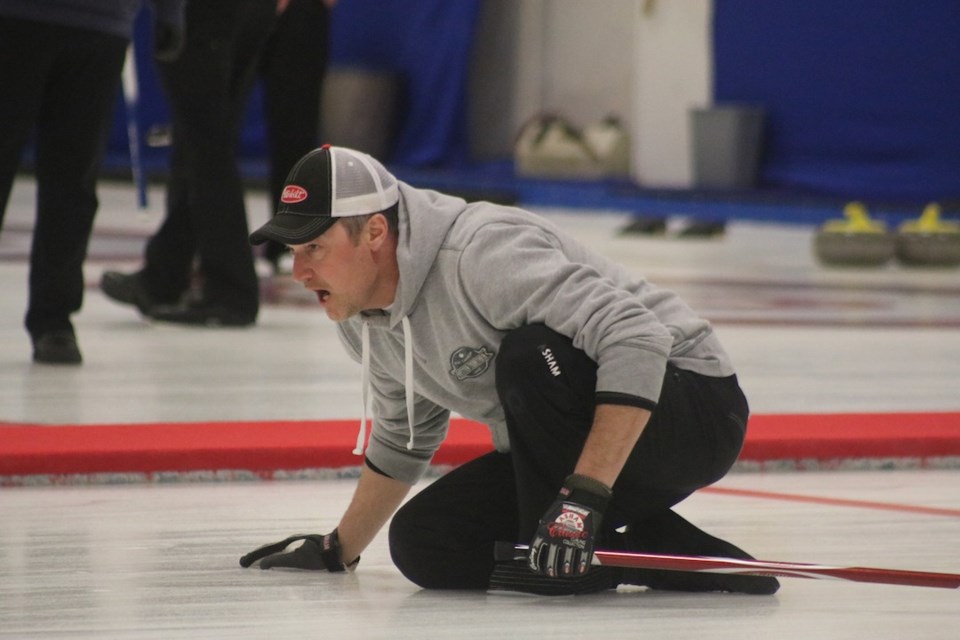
(364, 387)
(365, 382)
(408, 376)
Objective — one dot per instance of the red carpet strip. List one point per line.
(266, 448)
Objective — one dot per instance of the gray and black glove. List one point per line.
(317, 553)
(563, 543)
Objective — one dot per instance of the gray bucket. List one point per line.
(727, 141)
(358, 109)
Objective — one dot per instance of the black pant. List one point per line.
(292, 67)
(62, 82)
(207, 88)
(444, 536)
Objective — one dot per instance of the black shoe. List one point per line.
(646, 225)
(703, 229)
(670, 534)
(202, 314)
(57, 347)
(127, 288)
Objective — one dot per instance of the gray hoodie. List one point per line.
(469, 273)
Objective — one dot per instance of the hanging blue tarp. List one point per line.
(862, 96)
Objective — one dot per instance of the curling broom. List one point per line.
(637, 560)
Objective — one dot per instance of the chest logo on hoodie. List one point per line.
(467, 362)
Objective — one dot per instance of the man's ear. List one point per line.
(377, 230)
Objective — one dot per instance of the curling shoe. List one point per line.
(57, 347)
(127, 288)
(669, 533)
(200, 313)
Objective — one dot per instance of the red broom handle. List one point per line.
(636, 560)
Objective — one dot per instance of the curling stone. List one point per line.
(928, 241)
(854, 241)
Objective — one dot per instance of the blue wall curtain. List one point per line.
(863, 96)
(427, 43)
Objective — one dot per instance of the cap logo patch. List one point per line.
(292, 194)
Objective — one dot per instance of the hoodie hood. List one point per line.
(421, 237)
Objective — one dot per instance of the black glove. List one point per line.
(317, 553)
(563, 543)
(167, 41)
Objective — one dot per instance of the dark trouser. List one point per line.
(208, 87)
(444, 536)
(292, 68)
(63, 81)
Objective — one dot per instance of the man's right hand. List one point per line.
(317, 553)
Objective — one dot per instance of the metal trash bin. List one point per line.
(358, 109)
(727, 143)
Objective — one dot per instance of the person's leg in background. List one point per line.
(292, 67)
(207, 88)
(21, 41)
(205, 225)
(79, 79)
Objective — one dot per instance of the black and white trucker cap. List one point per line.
(326, 184)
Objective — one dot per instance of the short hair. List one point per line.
(355, 224)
